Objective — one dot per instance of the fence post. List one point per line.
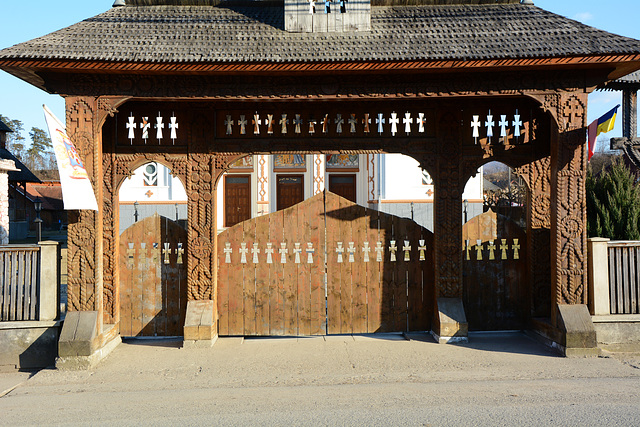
(49, 276)
(598, 276)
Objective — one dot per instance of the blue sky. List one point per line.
(25, 20)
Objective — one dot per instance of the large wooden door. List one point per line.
(495, 273)
(153, 278)
(289, 190)
(343, 186)
(272, 281)
(237, 199)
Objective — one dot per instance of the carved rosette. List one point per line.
(85, 227)
(448, 209)
(568, 201)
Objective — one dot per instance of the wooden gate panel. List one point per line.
(374, 274)
(314, 233)
(262, 275)
(276, 272)
(174, 283)
(388, 275)
(335, 228)
(359, 301)
(249, 279)
(290, 285)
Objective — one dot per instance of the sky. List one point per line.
(25, 20)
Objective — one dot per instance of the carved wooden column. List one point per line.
(85, 227)
(568, 203)
(450, 320)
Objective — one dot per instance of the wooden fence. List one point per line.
(19, 282)
(624, 277)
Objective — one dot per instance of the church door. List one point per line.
(344, 186)
(290, 190)
(237, 199)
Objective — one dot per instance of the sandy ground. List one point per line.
(337, 380)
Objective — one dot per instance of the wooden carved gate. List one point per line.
(378, 271)
(495, 273)
(153, 278)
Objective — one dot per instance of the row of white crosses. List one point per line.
(500, 244)
(503, 124)
(145, 126)
(342, 251)
(155, 252)
(296, 123)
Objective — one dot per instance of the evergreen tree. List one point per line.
(15, 140)
(39, 154)
(613, 204)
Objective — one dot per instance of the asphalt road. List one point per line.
(344, 380)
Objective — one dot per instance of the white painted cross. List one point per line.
(312, 125)
(174, 128)
(504, 247)
(297, 122)
(132, 125)
(380, 121)
(143, 253)
(166, 252)
(379, 250)
(283, 253)
(475, 124)
(489, 124)
(297, 250)
(504, 123)
(408, 121)
(479, 248)
(393, 121)
(407, 251)
(339, 251)
(227, 253)
(352, 123)
(393, 249)
(145, 125)
(492, 250)
(516, 248)
(269, 252)
(365, 251)
(339, 121)
(312, 7)
(352, 252)
(283, 124)
(257, 121)
(422, 121)
(229, 124)
(243, 124)
(255, 251)
(517, 123)
(159, 126)
(243, 253)
(310, 251)
(269, 123)
(422, 248)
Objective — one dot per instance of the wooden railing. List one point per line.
(19, 282)
(624, 277)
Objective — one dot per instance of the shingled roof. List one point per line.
(208, 34)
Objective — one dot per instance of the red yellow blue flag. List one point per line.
(603, 125)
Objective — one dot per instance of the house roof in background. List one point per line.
(49, 192)
(209, 34)
(4, 127)
(24, 175)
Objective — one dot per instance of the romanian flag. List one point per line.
(603, 125)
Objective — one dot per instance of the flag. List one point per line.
(603, 125)
(77, 192)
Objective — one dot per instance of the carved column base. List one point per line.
(200, 329)
(450, 322)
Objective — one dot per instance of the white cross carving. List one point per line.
(243, 124)
(504, 123)
(392, 249)
(166, 251)
(479, 248)
(352, 252)
(269, 251)
(352, 123)
(243, 253)
(365, 251)
(227, 253)
(159, 126)
(475, 124)
(145, 125)
(283, 124)
(422, 121)
(407, 251)
(516, 248)
(269, 123)
(379, 250)
(517, 123)
(174, 128)
(297, 122)
(489, 124)
(132, 125)
(143, 252)
(504, 247)
(339, 121)
(297, 250)
(283, 253)
(229, 124)
(408, 120)
(312, 7)
(339, 251)
(366, 122)
(422, 248)
(310, 252)
(256, 124)
(393, 121)
(255, 251)
(380, 121)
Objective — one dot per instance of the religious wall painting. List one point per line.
(342, 161)
(289, 161)
(245, 163)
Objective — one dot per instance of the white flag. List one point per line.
(77, 192)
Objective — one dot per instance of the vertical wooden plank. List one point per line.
(374, 277)
(625, 280)
(125, 274)
(638, 279)
(161, 291)
(290, 284)
(224, 277)
(632, 281)
(28, 287)
(317, 239)
(402, 290)
(304, 268)
(5, 282)
(415, 301)
(150, 227)
(388, 274)
(262, 276)
(359, 231)
(276, 302)
(334, 279)
(346, 287)
(619, 282)
(20, 291)
(35, 281)
(612, 281)
(174, 276)
(235, 281)
(249, 290)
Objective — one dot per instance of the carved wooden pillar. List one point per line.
(85, 243)
(568, 202)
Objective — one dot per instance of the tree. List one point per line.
(15, 140)
(39, 154)
(613, 204)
